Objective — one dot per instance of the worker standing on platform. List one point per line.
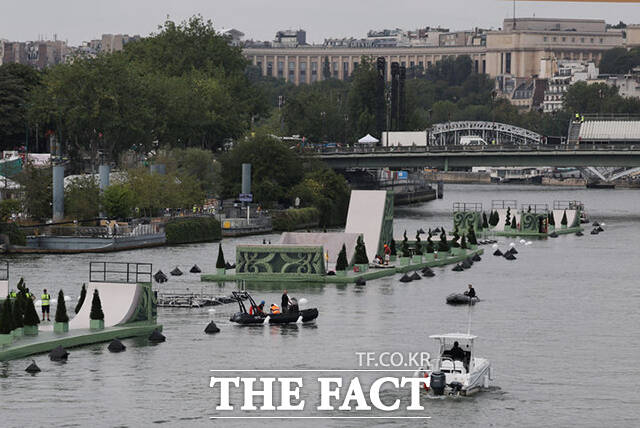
(46, 297)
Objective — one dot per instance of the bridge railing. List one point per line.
(484, 148)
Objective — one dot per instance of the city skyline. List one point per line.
(77, 23)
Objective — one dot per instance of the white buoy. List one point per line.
(522, 241)
(513, 244)
(211, 314)
(603, 224)
(494, 246)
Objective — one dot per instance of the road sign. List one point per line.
(403, 175)
(246, 197)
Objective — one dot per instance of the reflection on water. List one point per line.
(560, 325)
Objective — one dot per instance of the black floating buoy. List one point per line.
(476, 258)
(195, 269)
(509, 256)
(415, 276)
(553, 235)
(160, 277)
(229, 266)
(513, 250)
(331, 273)
(156, 336)
(428, 272)
(176, 271)
(579, 233)
(58, 354)
(595, 224)
(361, 281)
(33, 367)
(406, 278)
(470, 260)
(211, 328)
(466, 265)
(116, 346)
(595, 232)
(498, 252)
(600, 229)
(457, 268)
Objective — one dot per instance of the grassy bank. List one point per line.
(196, 229)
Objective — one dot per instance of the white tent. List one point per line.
(368, 139)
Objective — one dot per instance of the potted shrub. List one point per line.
(342, 264)
(220, 263)
(96, 317)
(6, 323)
(18, 316)
(417, 254)
(563, 222)
(394, 253)
(360, 257)
(83, 295)
(31, 319)
(61, 324)
(405, 259)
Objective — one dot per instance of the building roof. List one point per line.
(610, 130)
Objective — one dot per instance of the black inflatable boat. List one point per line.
(461, 299)
(243, 317)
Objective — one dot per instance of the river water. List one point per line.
(560, 326)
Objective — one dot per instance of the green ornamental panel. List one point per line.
(147, 309)
(386, 232)
(530, 222)
(465, 220)
(306, 260)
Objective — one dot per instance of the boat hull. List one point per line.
(286, 318)
(461, 299)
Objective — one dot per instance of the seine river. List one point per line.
(561, 326)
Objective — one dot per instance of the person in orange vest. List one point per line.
(275, 309)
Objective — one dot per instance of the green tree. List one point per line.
(619, 61)
(82, 198)
(36, 184)
(326, 190)
(9, 207)
(16, 83)
(118, 201)
(360, 256)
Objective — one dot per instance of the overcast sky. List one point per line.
(78, 20)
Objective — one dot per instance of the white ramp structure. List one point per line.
(331, 242)
(371, 214)
(119, 303)
(4, 288)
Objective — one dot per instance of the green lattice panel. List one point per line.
(280, 260)
(386, 232)
(465, 220)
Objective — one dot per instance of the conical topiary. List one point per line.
(454, 240)
(485, 222)
(6, 321)
(83, 295)
(405, 245)
(220, 263)
(392, 247)
(342, 263)
(552, 222)
(61, 309)
(360, 256)
(31, 317)
(18, 312)
(96, 307)
(563, 222)
(463, 242)
(471, 236)
(430, 246)
(507, 220)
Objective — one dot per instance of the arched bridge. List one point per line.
(449, 133)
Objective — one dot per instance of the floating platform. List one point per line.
(526, 233)
(45, 341)
(350, 277)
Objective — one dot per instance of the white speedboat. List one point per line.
(456, 371)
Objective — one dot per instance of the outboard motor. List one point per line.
(438, 383)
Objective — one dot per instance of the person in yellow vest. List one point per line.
(46, 297)
(13, 294)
